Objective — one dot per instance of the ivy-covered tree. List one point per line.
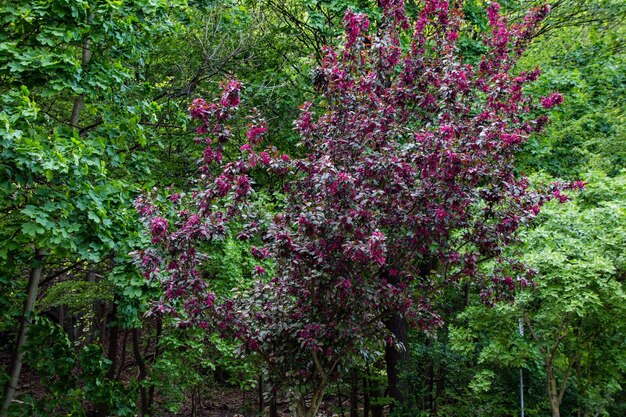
(407, 186)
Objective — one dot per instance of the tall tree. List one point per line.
(69, 74)
(407, 186)
(573, 322)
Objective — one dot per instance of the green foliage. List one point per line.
(74, 380)
(585, 65)
(182, 368)
(574, 319)
(74, 151)
(69, 190)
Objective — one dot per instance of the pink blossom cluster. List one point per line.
(159, 229)
(355, 24)
(552, 100)
(231, 97)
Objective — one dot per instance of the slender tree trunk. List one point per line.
(395, 355)
(157, 353)
(122, 366)
(366, 393)
(354, 394)
(18, 354)
(113, 348)
(556, 393)
(553, 395)
(91, 335)
(220, 378)
(103, 409)
(430, 376)
(273, 405)
(440, 386)
(554, 402)
(261, 391)
(74, 328)
(302, 410)
(61, 309)
(193, 401)
(143, 395)
(79, 101)
(366, 398)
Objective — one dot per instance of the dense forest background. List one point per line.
(94, 113)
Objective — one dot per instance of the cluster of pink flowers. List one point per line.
(377, 247)
(355, 23)
(255, 133)
(552, 100)
(394, 9)
(198, 108)
(159, 228)
(231, 97)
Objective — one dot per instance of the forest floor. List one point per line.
(233, 402)
(219, 401)
(215, 400)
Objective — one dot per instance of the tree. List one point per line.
(573, 322)
(588, 69)
(580, 336)
(407, 186)
(68, 148)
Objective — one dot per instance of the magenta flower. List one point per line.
(231, 97)
(198, 108)
(552, 100)
(255, 133)
(159, 227)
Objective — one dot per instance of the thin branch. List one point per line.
(317, 363)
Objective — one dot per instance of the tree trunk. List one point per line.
(556, 393)
(92, 332)
(143, 395)
(430, 376)
(261, 391)
(440, 387)
(273, 405)
(79, 101)
(157, 353)
(61, 310)
(394, 355)
(103, 409)
(122, 366)
(553, 395)
(219, 374)
(366, 395)
(302, 410)
(18, 354)
(354, 394)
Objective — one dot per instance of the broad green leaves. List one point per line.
(574, 318)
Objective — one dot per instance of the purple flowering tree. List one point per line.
(408, 184)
